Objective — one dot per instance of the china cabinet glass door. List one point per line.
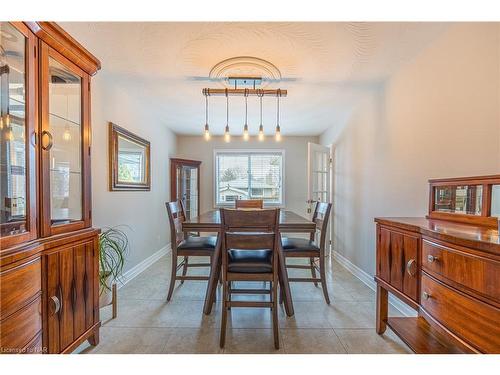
(64, 143)
(185, 185)
(17, 151)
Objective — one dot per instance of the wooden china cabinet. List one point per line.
(185, 184)
(446, 266)
(49, 287)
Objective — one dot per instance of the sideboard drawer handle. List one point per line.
(432, 258)
(426, 295)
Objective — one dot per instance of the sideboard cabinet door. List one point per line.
(397, 260)
(70, 294)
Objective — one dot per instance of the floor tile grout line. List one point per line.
(340, 340)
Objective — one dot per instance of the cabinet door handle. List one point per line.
(426, 295)
(432, 258)
(61, 300)
(57, 304)
(51, 140)
(411, 267)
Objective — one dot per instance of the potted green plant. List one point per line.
(113, 246)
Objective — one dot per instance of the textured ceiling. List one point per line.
(325, 66)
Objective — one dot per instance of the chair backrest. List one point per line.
(249, 230)
(176, 217)
(320, 217)
(249, 203)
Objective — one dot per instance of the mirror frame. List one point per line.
(114, 183)
(485, 219)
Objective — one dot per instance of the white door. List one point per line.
(318, 178)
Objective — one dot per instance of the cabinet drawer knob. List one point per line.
(426, 295)
(411, 267)
(432, 258)
(57, 304)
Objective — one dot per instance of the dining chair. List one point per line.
(249, 203)
(308, 248)
(186, 245)
(250, 245)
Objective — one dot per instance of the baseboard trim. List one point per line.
(142, 266)
(367, 279)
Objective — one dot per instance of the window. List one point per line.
(249, 175)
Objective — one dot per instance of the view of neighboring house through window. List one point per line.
(249, 175)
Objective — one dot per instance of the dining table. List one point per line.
(209, 222)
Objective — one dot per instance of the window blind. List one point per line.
(249, 175)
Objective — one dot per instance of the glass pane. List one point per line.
(465, 199)
(65, 125)
(232, 178)
(12, 131)
(249, 176)
(131, 161)
(495, 200)
(189, 188)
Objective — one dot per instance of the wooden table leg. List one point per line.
(382, 309)
(284, 284)
(214, 278)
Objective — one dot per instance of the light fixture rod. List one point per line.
(242, 92)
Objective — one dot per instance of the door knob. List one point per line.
(426, 295)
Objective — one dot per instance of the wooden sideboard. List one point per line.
(49, 252)
(449, 272)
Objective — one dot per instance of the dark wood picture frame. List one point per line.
(114, 184)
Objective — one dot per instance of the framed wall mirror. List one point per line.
(129, 161)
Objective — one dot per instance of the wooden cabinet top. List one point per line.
(479, 237)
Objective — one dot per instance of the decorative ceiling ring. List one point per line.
(245, 65)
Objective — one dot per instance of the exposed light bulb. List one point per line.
(227, 136)
(278, 133)
(66, 135)
(245, 133)
(7, 120)
(9, 135)
(1, 122)
(207, 133)
(261, 133)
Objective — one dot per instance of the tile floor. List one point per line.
(147, 324)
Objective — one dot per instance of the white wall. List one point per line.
(438, 116)
(143, 212)
(197, 148)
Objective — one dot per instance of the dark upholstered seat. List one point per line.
(290, 244)
(250, 261)
(198, 243)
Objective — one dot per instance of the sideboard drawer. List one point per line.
(20, 328)
(470, 319)
(19, 285)
(476, 273)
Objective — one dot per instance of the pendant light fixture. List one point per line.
(227, 136)
(261, 127)
(207, 131)
(245, 128)
(278, 129)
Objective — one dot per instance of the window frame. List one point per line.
(247, 152)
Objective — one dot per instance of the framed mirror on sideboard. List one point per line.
(129, 161)
(472, 200)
